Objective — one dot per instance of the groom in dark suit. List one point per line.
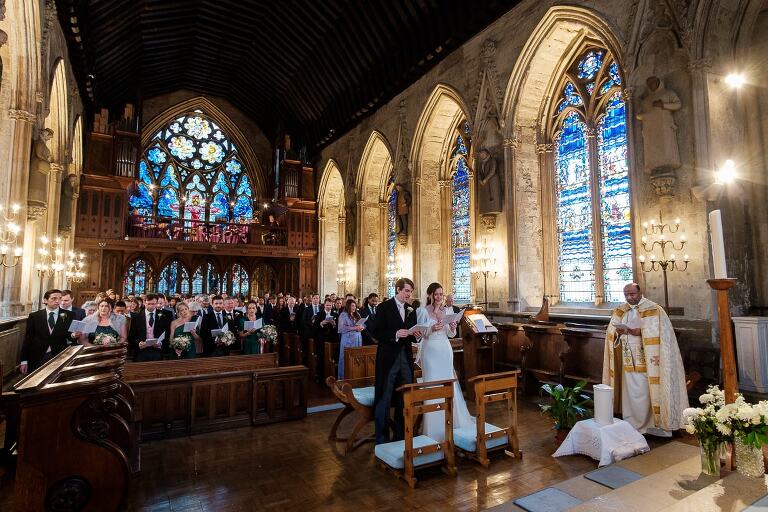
(47, 333)
(394, 358)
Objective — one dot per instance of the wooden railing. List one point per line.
(207, 232)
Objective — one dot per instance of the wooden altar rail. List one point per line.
(562, 353)
(72, 423)
(176, 398)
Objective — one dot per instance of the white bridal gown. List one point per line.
(436, 361)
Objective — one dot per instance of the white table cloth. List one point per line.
(607, 444)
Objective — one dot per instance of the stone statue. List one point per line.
(39, 169)
(489, 184)
(660, 149)
(69, 192)
(349, 225)
(41, 155)
(403, 208)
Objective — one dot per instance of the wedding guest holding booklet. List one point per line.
(350, 327)
(247, 329)
(101, 328)
(185, 339)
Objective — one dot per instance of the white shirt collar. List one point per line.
(49, 311)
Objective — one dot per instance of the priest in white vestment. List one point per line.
(652, 384)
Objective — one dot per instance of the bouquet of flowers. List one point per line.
(268, 333)
(703, 423)
(746, 422)
(181, 342)
(226, 338)
(105, 339)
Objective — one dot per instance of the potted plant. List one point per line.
(568, 405)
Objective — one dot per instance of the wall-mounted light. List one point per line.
(727, 173)
(725, 176)
(735, 80)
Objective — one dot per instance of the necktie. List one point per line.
(373, 310)
(152, 319)
(219, 318)
(402, 311)
(51, 320)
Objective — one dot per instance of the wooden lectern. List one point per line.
(479, 357)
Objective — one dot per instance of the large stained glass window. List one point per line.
(589, 132)
(173, 278)
(461, 276)
(137, 278)
(192, 170)
(391, 238)
(238, 280)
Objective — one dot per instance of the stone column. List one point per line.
(510, 147)
(342, 254)
(414, 234)
(320, 254)
(549, 222)
(446, 255)
(383, 247)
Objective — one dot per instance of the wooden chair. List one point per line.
(357, 396)
(476, 444)
(403, 457)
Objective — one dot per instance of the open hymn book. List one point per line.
(480, 323)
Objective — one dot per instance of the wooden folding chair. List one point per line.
(403, 457)
(357, 396)
(475, 443)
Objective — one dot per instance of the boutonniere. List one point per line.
(408, 309)
(63, 315)
(159, 315)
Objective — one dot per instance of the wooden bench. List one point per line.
(192, 396)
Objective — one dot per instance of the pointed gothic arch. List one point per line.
(331, 207)
(434, 139)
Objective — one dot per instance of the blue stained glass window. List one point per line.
(391, 234)
(167, 282)
(136, 278)
(590, 87)
(574, 212)
(213, 278)
(183, 280)
(460, 234)
(571, 95)
(197, 281)
(238, 279)
(590, 64)
(613, 71)
(614, 199)
(194, 155)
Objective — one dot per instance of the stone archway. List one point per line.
(430, 188)
(331, 208)
(373, 188)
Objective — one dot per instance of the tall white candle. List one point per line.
(718, 247)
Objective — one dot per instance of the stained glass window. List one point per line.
(197, 281)
(391, 237)
(461, 276)
(238, 280)
(137, 278)
(171, 278)
(213, 278)
(587, 168)
(195, 173)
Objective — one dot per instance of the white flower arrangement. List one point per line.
(748, 422)
(104, 339)
(703, 422)
(181, 342)
(226, 339)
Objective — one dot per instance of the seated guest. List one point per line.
(212, 347)
(184, 315)
(67, 305)
(250, 337)
(47, 333)
(107, 322)
(149, 324)
(349, 331)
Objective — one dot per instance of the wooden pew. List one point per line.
(312, 358)
(330, 359)
(511, 347)
(583, 359)
(296, 349)
(73, 432)
(542, 354)
(191, 396)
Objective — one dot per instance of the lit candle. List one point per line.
(645, 224)
(682, 238)
(642, 259)
(643, 239)
(686, 258)
(672, 257)
(718, 246)
(653, 257)
(677, 221)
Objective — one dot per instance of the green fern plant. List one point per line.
(568, 405)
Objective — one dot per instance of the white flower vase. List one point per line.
(710, 458)
(749, 460)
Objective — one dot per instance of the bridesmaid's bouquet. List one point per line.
(105, 339)
(182, 342)
(268, 333)
(226, 339)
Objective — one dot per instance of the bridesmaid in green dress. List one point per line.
(106, 322)
(183, 315)
(250, 337)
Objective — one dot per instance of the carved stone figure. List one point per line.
(403, 208)
(349, 225)
(40, 168)
(660, 149)
(489, 184)
(41, 155)
(69, 192)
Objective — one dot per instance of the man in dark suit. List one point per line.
(394, 358)
(149, 324)
(47, 333)
(289, 317)
(299, 312)
(369, 311)
(310, 312)
(215, 320)
(449, 303)
(67, 305)
(231, 317)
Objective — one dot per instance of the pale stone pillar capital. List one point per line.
(21, 115)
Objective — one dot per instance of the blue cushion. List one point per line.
(364, 395)
(466, 438)
(393, 454)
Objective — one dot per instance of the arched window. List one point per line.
(589, 132)
(173, 278)
(197, 280)
(461, 238)
(137, 278)
(213, 279)
(392, 238)
(237, 278)
(191, 170)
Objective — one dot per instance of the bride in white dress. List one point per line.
(436, 361)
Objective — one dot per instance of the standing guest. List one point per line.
(139, 305)
(324, 328)
(349, 331)
(338, 306)
(111, 294)
(67, 305)
(47, 333)
(299, 311)
(332, 296)
(120, 308)
(289, 316)
(652, 386)
(89, 307)
(107, 322)
(250, 337)
(394, 358)
(149, 324)
(211, 321)
(277, 312)
(449, 303)
(184, 315)
(272, 307)
(369, 311)
(310, 312)
(231, 317)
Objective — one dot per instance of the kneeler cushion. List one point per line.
(364, 395)
(393, 454)
(466, 438)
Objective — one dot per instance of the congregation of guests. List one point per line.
(149, 324)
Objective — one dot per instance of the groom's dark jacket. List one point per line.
(385, 324)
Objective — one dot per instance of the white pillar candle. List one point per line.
(603, 404)
(718, 247)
